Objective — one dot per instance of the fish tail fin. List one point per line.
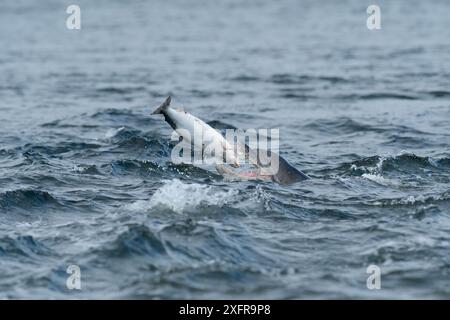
(163, 106)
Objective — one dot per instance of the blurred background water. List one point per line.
(86, 176)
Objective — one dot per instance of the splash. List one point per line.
(180, 197)
(378, 178)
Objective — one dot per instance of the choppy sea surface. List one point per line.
(86, 176)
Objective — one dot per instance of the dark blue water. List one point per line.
(86, 176)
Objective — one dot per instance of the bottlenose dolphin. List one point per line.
(183, 123)
(285, 174)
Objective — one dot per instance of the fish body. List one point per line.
(193, 130)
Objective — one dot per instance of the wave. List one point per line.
(188, 246)
(122, 133)
(24, 246)
(191, 171)
(403, 162)
(153, 169)
(285, 78)
(136, 167)
(213, 245)
(378, 178)
(122, 117)
(8, 153)
(438, 93)
(345, 125)
(412, 200)
(137, 240)
(58, 149)
(108, 117)
(139, 144)
(293, 94)
(109, 113)
(245, 78)
(27, 199)
(406, 140)
(342, 125)
(120, 91)
(86, 169)
(379, 96)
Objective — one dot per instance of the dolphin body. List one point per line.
(285, 175)
(183, 122)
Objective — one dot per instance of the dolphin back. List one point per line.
(287, 174)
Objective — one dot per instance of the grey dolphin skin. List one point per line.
(286, 174)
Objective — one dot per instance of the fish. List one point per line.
(190, 128)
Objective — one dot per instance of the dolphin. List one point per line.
(183, 123)
(285, 174)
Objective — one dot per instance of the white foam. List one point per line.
(412, 200)
(378, 178)
(179, 197)
(78, 169)
(376, 170)
(112, 132)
